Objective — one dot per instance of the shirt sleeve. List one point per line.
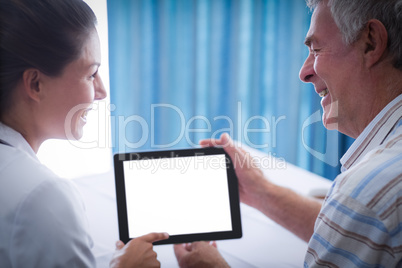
(348, 234)
(51, 229)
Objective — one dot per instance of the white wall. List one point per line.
(92, 154)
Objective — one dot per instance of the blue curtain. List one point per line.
(185, 70)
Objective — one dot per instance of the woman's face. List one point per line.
(70, 95)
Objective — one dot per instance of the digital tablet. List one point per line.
(191, 194)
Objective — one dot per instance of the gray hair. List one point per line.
(351, 16)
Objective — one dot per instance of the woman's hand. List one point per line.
(137, 252)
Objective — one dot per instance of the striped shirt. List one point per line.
(360, 223)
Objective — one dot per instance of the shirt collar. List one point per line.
(374, 134)
(16, 140)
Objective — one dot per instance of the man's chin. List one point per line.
(330, 123)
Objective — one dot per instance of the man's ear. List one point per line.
(32, 86)
(375, 39)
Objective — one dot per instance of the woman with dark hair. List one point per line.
(49, 60)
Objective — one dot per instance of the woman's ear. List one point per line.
(375, 38)
(32, 86)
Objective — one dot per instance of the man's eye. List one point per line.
(314, 51)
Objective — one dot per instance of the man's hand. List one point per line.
(293, 211)
(137, 252)
(199, 255)
(252, 182)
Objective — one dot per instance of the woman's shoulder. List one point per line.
(37, 205)
(18, 167)
(22, 177)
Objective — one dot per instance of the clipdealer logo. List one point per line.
(330, 155)
(148, 128)
(102, 112)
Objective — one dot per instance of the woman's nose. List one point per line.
(100, 91)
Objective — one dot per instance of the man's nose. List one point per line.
(307, 70)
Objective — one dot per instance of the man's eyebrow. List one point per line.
(308, 40)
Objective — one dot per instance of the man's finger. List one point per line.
(119, 245)
(153, 237)
(223, 141)
(199, 244)
(179, 250)
(228, 145)
(213, 243)
(209, 143)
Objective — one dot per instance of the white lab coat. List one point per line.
(42, 217)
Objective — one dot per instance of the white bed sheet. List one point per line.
(264, 243)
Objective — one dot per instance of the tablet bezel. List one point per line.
(232, 181)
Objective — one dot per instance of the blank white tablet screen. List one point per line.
(178, 195)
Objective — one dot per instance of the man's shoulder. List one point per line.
(375, 181)
(386, 157)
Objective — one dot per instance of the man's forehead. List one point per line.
(321, 23)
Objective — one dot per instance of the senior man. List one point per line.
(355, 65)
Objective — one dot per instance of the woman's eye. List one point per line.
(94, 74)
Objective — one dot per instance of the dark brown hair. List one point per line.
(42, 34)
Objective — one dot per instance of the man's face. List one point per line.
(333, 68)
